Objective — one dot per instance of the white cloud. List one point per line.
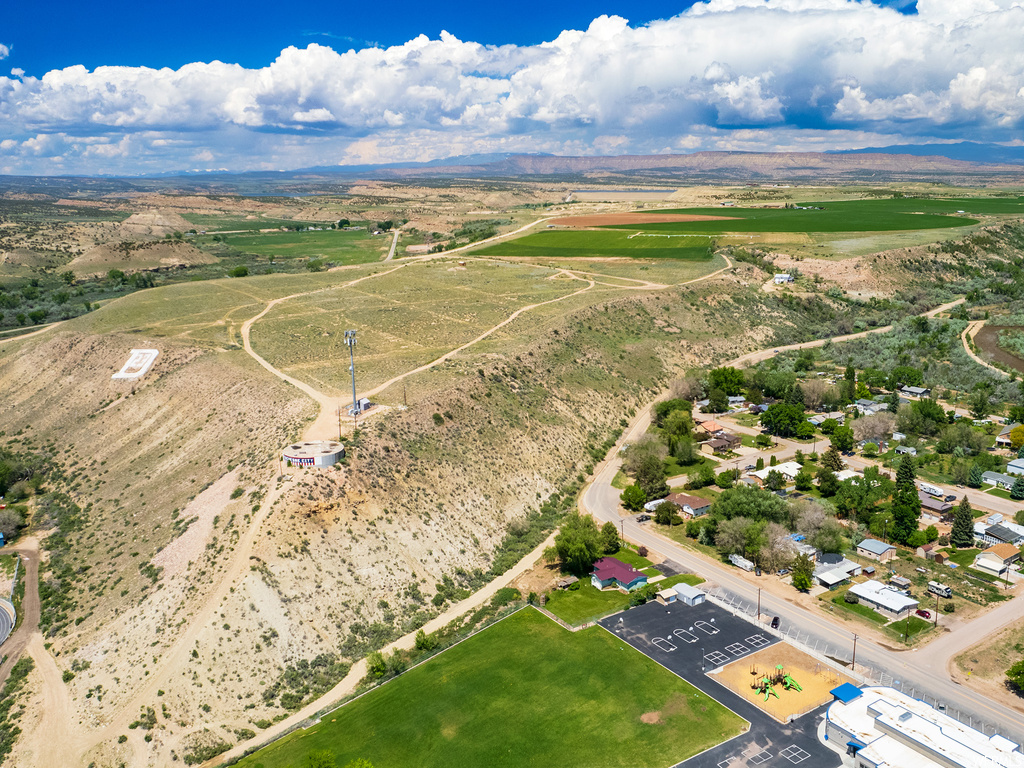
(780, 68)
(5, 51)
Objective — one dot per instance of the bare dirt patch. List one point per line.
(609, 219)
(815, 678)
(133, 256)
(651, 718)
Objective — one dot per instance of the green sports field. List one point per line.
(839, 216)
(562, 243)
(524, 692)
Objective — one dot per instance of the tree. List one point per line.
(803, 572)
(633, 498)
(1020, 453)
(609, 538)
(777, 551)
(796, 396)
(829, 426)
(782, 419)
(931, 533)
(870, 450)
(578, 543)
(775, 481)
(718, 402)
(905, 375)
(731, 535)
(11, 523)
(726, 479)
(829, 537)
(68, 278)
(875, 427)
(645, 461)
(684, 452)
(240, 271)
(804, 480)
(805, 430)
(1015, 675)
(320, 758)
(729, 380)
(906, 505)
(842, 439)
(664, 408)
(1017, 438)
(833, 460)
(975, 478)
(828, 483)
(117, 276)
(1017, 490)
(678, 424)
(981, 400)
(748, 501)
(667, 513)
(760, 463)
(359, 762)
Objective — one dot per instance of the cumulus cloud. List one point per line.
(5, 51)
(779, 68)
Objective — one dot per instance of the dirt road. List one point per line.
(28, 549)
(967, 336)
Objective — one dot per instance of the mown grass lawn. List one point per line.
(861, 610)
(524, 692)
(963, 557)
(589, 603)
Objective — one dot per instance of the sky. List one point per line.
(132, 87)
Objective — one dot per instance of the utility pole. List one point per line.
(350, 341)
(758, 603)
(853, 663)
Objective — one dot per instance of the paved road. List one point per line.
(6, 625)
(394, 245)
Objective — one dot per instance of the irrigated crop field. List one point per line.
(568, 699)
(336, 246)
(604, 244)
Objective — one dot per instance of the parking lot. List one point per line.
(691, 641)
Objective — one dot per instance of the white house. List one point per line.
(1015, 467)
(884, 599)
(788, 469)
(783, 278)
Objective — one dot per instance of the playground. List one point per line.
(780, 680)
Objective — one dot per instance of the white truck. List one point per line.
(932, 490)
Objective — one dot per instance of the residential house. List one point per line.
(1003, 438)
(873, 549)
(834, 569)
(1015, 467)
(1002, 534)
(936, 507)
(690, 506)
(612, 573)
(915, 391)
(884, 599)
(898, 436)
(710, 428)
(715, 446)
(998, 479)
(737, 400)
(783, 278)
(788, 469)
(848, 474)
(906, 449)
(997, 559)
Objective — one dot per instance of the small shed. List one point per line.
(667, 596)
(689, 595)
(566, 582)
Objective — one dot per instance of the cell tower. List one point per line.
(350, 340)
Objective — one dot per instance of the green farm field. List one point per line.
(226, 223)
(523, 692)
(602, 244)
(906, 214)
(336, 246)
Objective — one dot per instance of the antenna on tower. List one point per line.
(350, 341)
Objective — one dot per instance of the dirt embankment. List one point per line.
(139, 256)
(987, 339)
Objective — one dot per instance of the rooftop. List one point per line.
(312, 449)
(878, 593)
(875, 547)
(611, 568)
(898, 730)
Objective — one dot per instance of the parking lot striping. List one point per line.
(727, 763)
(661, 642)
(709, 629)
(760, 757)
(758, 641)
(794, 754)
(686, 637)
(737, 649)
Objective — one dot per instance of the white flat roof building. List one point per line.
(883, 598)
(789, 470)
(883, 727)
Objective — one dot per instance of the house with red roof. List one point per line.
(612, 573)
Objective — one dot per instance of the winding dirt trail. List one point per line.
(968, 336)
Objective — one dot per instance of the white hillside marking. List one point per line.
(138, 364)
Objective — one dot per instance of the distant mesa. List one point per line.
(139, 256)
(319, 453)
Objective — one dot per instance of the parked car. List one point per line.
(775, 622)
(749, 467)
(949, 498)
(923, 613)
(783, 571)
(642, 518)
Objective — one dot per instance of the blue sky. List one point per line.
(133, 89)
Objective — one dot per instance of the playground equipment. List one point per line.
(766, 685)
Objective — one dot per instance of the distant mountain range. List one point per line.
(971, 151)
